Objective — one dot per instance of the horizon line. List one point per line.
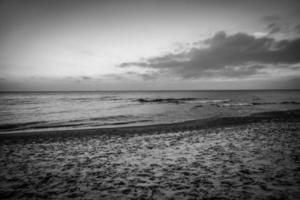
(163, 90)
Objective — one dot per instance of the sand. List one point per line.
(258, 160)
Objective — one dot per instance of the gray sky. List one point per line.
(149, 44)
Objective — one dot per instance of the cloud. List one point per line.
(275, 25)
(297, 28)
(79, 78)
(86, 77)
(237, 55)
(127, 64)
(274, 28)
(147, 76)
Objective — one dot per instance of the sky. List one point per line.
(49, 45)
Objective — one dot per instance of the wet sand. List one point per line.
(255, 157)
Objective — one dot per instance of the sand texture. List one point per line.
(253, 161)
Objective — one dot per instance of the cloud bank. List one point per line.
(237, 55)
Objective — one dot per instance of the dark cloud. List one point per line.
(78, 78)
(86, 77)
(233, 71)
(227, 55)
(148, 76)
(297, 28)
(274, 28)
(127, 64)
(275, 24)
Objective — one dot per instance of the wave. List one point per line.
(75, 123)
(236, 104)
(289, 102)
(212, 101)
(126, 122)
(263, 103)
(108, 118)
(47, 125)
(257, 103)
(12, 102)
(216, 102)
(84, 99)
(165, 100)
(272, 103)
(181, 100)
(17, 126)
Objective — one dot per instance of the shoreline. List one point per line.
(272, 116)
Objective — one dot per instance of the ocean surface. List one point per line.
(35, 111)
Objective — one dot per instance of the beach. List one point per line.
(254, 157)
(149, 100)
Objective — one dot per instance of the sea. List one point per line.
(38, 111)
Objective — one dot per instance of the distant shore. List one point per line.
(273, 116)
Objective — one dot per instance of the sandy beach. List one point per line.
(255, 157)
(149, 100)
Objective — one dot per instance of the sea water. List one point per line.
(28, 111)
